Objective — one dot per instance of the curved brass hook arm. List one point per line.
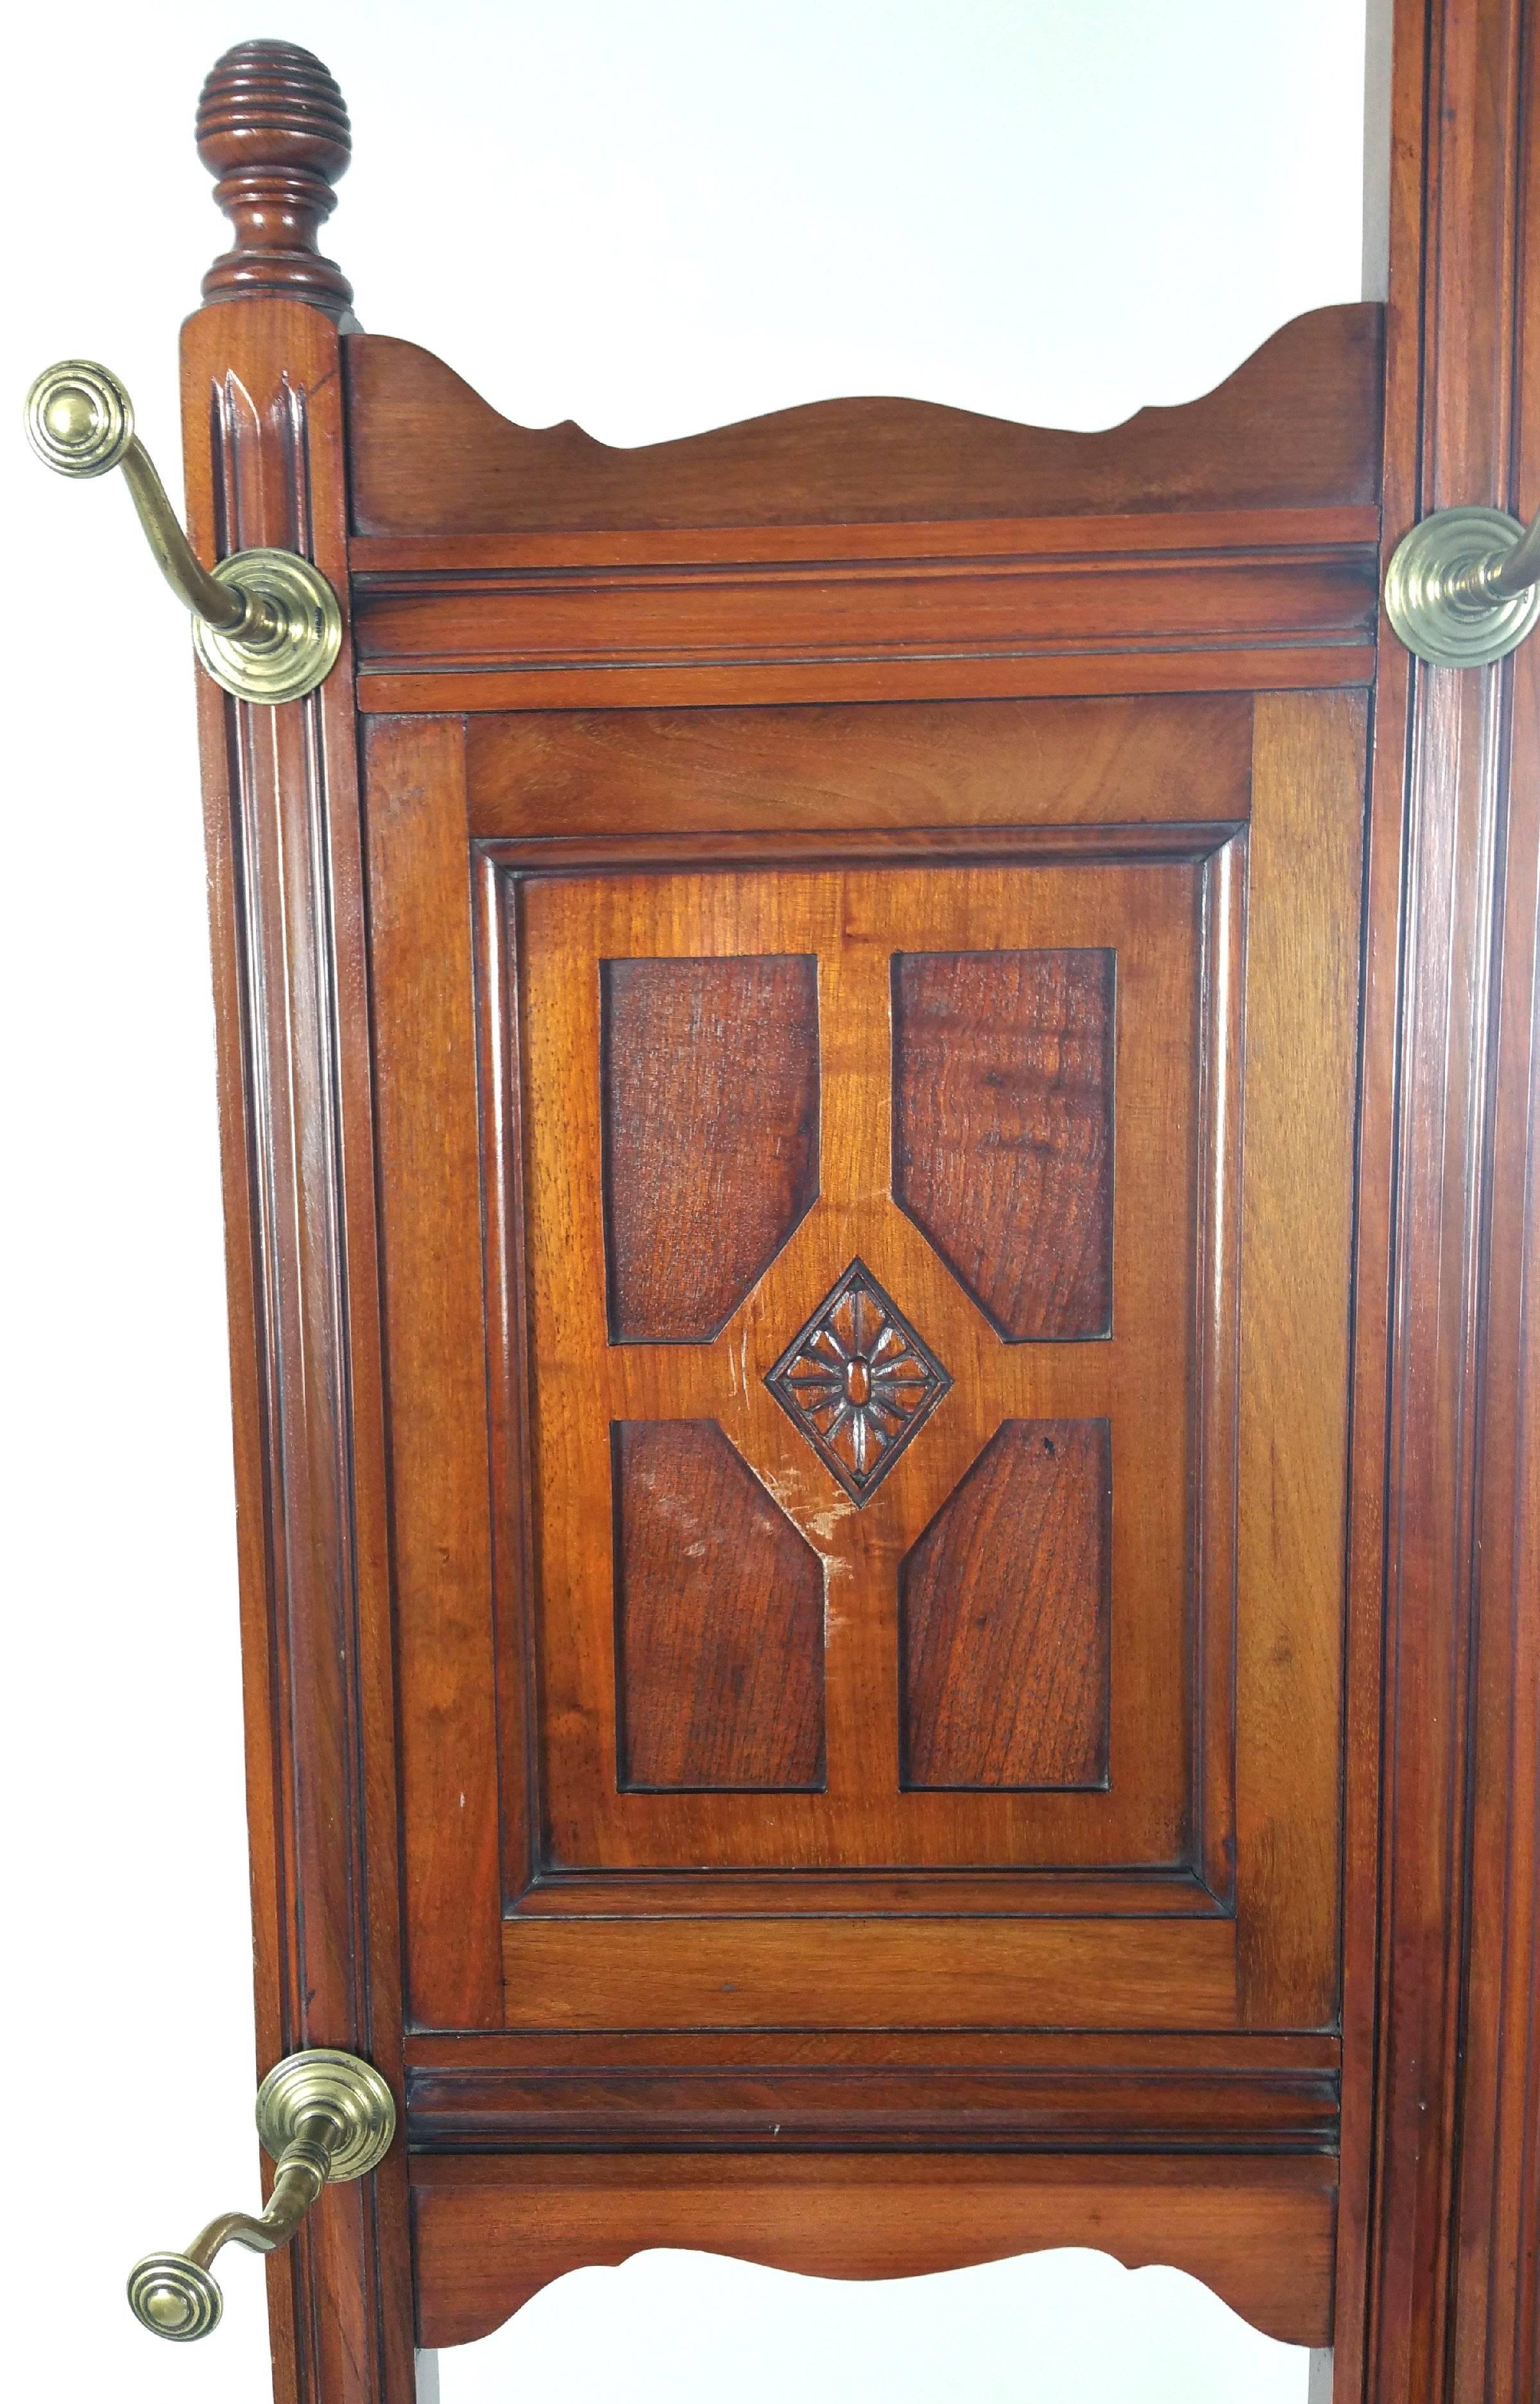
(1462, 589)
(323, 2117)
(267, 623)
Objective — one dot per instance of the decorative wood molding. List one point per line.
(272, 126)
(1258, 2229)
(264, 465)
(1296, 425)
(1441, 2063)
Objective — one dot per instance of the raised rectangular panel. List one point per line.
(1004, 1618)
(719, 1618)
(711, 1083)
(1002, 1130)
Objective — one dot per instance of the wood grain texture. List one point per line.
(854, 920)
(846, 1972)
(273, 127)
(711, 1077)
(529, 638)
(1440, 2266)
(489, 2234)
(1217, 550)
(780, 2091)
(265, 465)
(986, 768)
(1306, 853)
(1002, 1130)
(1003, 1616)
(426, 1095)
(720, 1618)
(1297, 425)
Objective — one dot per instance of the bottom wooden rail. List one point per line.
(492, 2229)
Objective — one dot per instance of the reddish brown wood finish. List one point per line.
(265, 465)
(1103, 665)
(273, 128)
(1002, 1130)
(1442, 2057)
(773, 2090)
(709, 1074)
(718, 1640)
(1295, 427)
(1003, 1616)
(488, 2234)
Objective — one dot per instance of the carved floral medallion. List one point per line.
(858, 1382)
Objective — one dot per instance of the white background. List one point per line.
(651, 219)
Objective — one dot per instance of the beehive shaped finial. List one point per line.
(274, 129)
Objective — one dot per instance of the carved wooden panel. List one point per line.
(858, 1382)
(719, 1618)
(710, 1134)
(1003, 1616)
(1086, 1772)
(861, 1461)
(1002, 1130)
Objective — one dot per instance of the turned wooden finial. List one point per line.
(273, 128)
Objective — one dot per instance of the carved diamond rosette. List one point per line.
(858, 1382)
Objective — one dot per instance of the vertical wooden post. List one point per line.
(1441, 2153)
(266, 464)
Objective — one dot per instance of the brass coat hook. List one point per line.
(1462, 589)
(267, 623)
(323, 2117)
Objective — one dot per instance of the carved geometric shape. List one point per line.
(1002, 1130)
(719, 1619)
(709, 1074)
(1004, 1607)
(858, 1382)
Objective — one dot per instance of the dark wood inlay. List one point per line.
(1004, 1616)
(710, 1080)
(719, 1618)
(1002, 1130)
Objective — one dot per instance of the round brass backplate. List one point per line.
(1452, 630)
(299, 653)
(340, 2083)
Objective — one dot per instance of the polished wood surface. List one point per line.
(1063, 1890)
(1296, 428)
(1441, 2197)
(488, 2234)
(266, 464)
(273, 128)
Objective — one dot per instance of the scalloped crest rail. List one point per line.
(876, 1076)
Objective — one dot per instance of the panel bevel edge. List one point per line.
(1216, 1342)
(500, 1116)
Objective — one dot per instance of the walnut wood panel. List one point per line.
(490, 2234)
(1003, 1616)
(1295, 1232)
(1002, 1130)
(810, 1972)
(988, 768)
(777, 2091)
(854, 922)
(719, 1618)
(710, 1079)
(1297, 426)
